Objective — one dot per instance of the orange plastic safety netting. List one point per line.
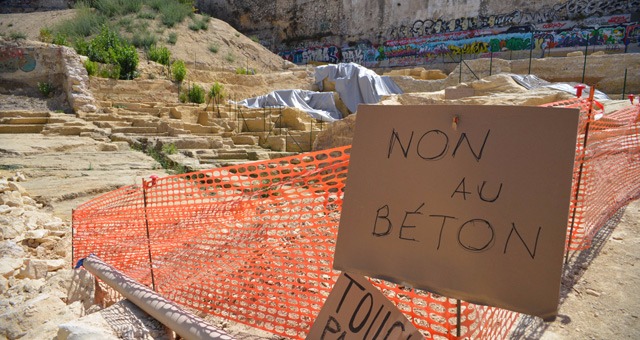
(607, 171)
(254, 243)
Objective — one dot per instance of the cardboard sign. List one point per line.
(470, 202)
(357, 310)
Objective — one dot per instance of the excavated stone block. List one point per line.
(245, 140)
(458, 92)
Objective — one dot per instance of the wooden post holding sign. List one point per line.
(357, 310)
(470, 202)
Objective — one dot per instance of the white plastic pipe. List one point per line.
(168, 313)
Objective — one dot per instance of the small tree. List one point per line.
(179, 70)
(216, 92)
(109, 48)
(196, 94)
(160, 55)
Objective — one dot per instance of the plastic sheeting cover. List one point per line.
(356, 84)
(319, 105)
(531, 82)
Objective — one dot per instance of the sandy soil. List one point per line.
(31, 23)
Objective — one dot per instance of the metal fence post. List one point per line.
(146, 224)
(531, 52)
(490, 62)
(584, 66)
(624, 85)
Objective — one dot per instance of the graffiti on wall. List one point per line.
(423, 50)
(13, 59)
(328, 54)
(573, 24)
(591, 12)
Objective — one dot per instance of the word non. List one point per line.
(433, 145)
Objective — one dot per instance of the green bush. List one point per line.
(172, 12)
(125, 22)
(183, 97)
(156, 4)
(81, 46)
(109, 71)
(17, 36)
(112, 8)
(60, 39)
(45, 35)
(196, 94)
(230, 57)
(144, 39)
(45, 88)
(86, 22)
(160, 55)
(214, 48)
(173, 38)
(216, 93)
(146, 15)
(91, 66)
(179, 70)
(244, 70)
(169, 149)
(200, 24)
(108, 48)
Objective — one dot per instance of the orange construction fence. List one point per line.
(254, 243)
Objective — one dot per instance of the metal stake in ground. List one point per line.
(592, 92)
(146, 224)
(458, 318)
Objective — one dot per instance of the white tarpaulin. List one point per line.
(356, 84)
(319, 105)
(531, 82)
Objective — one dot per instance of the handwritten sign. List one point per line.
(470, 202)
(357, 310)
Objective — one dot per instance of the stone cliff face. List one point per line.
(287, 22)
(380, 33)
(25, 6)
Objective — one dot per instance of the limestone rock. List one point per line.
(16, 322)
(49, 329)
(12, 229)
(71, 285)
(338, 133)
(4, 284)
(55, 224)
(9, 249)
(11, 198)
(4, 185)
(33, 269)
(18, 177)
(410, 84)
(38, 234)
(9, 265)
(38, 269)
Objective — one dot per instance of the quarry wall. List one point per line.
(25, 6)
(387, 33)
